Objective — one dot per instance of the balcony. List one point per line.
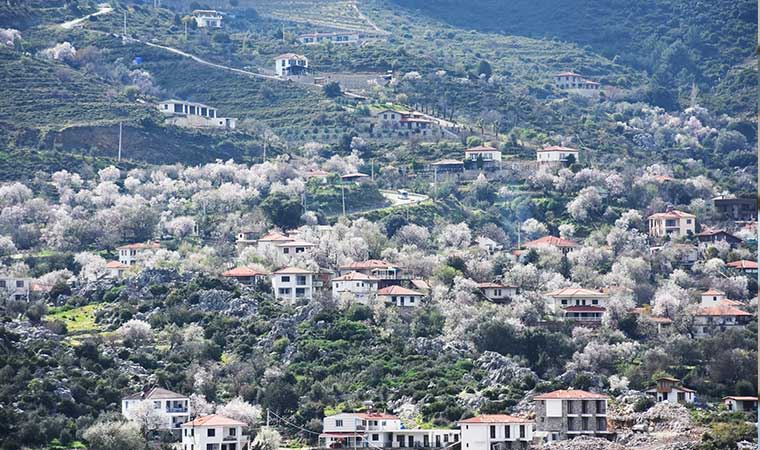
(176, 409)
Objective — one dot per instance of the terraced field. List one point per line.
(324, 13)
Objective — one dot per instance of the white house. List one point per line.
(213, 432)
(207, 18)
(497, 292)
(745, 266)
(289, 64)
(670, 390)
(400, 296)
(194, 115)
(573, 81)
(293, 247)
(485, 153)
(270, 240)
(174, 407)
(564, 245)
(496, 431)
(720, 317)
(14, 288)
(132, 254)
(672, 223)
(404, 123)
(373, 267)
(489, 245)
(337, 37)
(115, 269)
(557, 154)
(293, 283)
(740, 403)
(578, 304)
(363, 287)
(376, 429)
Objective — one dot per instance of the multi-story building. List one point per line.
(132, 254)
(578, 304)
(207, 18)
(289, 64)
(672, 223)
(174, 407)
(14, 288)
(573, 81)
(374, 268)
(570, 413)
(745, 266)
(337, 37)
(741, 209)
(671, 390)
(361, 286)
(293, 283)
(376, 429)
(245, 275)
(496, 431)
(213, 432)
(489, 156)
(497, 292)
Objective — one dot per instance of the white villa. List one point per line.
(213, 432)
(404, 123)
(293, 283)
(362, 286)
(14, 288)
(115, 269)
(670, 390)
(175, 407)
(557, 154)
(578, 304)
(194, 115)
(672, 223)
(740, 403)
(573, 81)
(497, 292)
(267, 242)
(292, 247)
(564, 245)
(400, 296)
(485, 153)
(132, 254)
(289, 64)
(207, 18)
(337, 37)
(245, 275)
(376, 429)
(496, 431)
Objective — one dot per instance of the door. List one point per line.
(411, 441)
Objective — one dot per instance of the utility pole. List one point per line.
(435, 183)
(125, 24)
(120, 132)
(267, 417)
(372, 168)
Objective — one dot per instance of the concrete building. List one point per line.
(670, 390)
(578, 304)
(207, 18)
(672, 223)
(292, 283)
(566, 414)
(400, 296)
(739, 209)
(711, 235)
(496, 432)
(135, 254)
(497, 292)
(213, 432)
(379, 430)
(740, 403)
(115, 269)
(373, 267)
(173, 406)
(194, 115)
(745, 266)
(14, 288)
(573, 81)
(290, 64)
(396, 123)
(361, 286)
(557, 154)
(489, 156)
(336, 37)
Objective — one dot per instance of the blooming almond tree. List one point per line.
(241, 410)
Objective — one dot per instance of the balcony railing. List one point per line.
(177, 409)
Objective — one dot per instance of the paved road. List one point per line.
(103, 8)
(396, 198)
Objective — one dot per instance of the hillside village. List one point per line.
(237, 225)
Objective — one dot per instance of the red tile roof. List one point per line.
(355, 276)
(713, 292)
(214, 420)
(557, 148)
(743, 264)
(293, 270)
(489, 284)
(368, 264)
(721, 310)
(742, 398)
(674, 214)
(273, 236)
(495, 418)
(140, 246)
(243, 271)
(155, 393)
(551, 241)
(481, 148)
(398, 290)
(571, 394)
(115, 265)
(377, 415)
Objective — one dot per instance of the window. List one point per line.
(156, 404)
(375, 437)
(493, 431)
(564, 302)
(211, 432)
(338, 423)
(285, 279)
(522, 431)
(285, 250)
(594, 302)
(233, 431)
(506, 431)
(301, 280)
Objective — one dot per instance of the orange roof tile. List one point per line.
(743, 264)
(572, 292)
(214, 420)
(293, 270)
(571, 394)
(551, 241)
(495, 418)
(243, 271)
(398, 290)
(721, 310)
